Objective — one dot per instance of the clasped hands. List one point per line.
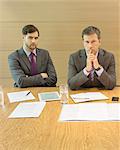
(92, 62)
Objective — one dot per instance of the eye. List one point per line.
(87, 42)
(93, 41)
(36, 38)
(30, 37)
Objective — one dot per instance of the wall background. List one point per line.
(60, 23)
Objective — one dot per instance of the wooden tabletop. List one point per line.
(47, 133)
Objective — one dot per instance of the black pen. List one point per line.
(28, 93)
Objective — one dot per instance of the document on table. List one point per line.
(28, 109)
(20, 96)
(89, 96)
(90, 112)
(49, 96)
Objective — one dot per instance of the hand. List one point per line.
(44, 75)
(96, 63)
(90, 59)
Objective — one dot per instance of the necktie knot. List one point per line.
(31, 55)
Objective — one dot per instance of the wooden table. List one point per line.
(46, 133)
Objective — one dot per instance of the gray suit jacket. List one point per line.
(20, 69)
(77, 79)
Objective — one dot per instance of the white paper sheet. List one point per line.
(90, 112)
(49, 96)
(89, 96)
(20, 96)
(28, 109)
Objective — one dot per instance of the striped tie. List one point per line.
(33, 64)
(92, 73)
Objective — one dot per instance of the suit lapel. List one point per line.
(38, 59)
(24, 58)
(101, 57)
(83, 58)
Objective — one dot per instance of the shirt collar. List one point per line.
(28, 52)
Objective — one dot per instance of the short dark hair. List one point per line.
(29, 29)
(91, 30)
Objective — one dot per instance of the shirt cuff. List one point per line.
(85, 72)
(99, 72)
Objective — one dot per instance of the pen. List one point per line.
(28, 93)
(80, 98)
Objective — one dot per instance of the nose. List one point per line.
(33, 40)
(90, 45)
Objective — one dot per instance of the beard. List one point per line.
(31, 46)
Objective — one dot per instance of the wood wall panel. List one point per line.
(18, 11)
(58, 36)
(60, 23)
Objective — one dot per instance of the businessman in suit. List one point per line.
(91, 66)
(31, 66)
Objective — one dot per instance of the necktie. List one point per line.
(92, 73)
(33, 64)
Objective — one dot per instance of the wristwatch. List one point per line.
(97, 69)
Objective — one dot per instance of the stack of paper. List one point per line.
(89, 96)
(31, 109)
(20, 96)
(90, 112)
(49, 96)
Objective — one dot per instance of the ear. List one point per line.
(23, 37)
(100, 41)
(82, 40)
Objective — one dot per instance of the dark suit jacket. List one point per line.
(20, 69)
(77, 79)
